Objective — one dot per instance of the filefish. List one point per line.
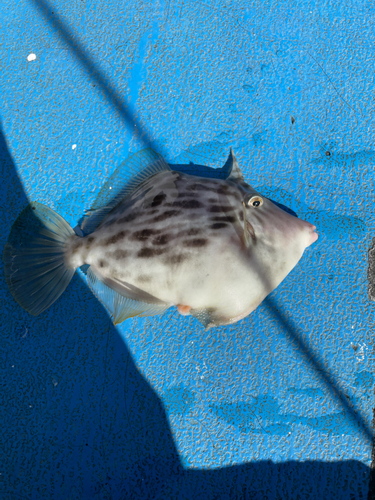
(213, 248)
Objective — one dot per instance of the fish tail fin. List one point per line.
(36, 268)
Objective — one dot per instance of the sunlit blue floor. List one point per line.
(278, 405)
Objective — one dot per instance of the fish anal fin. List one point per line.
(205, 317)
(120, 301)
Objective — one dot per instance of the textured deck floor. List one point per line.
(278, 406)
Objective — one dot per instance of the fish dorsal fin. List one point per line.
(126, 178)
(123, 300)
(232, 166)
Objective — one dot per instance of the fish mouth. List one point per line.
(313, 235)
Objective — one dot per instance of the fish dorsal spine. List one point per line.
(232, 166)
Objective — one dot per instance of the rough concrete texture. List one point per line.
(278, 406)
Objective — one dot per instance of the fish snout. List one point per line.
(313, 236)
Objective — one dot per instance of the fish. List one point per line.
(213, 248)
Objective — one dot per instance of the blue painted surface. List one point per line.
(275, 406)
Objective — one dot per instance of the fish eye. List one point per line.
(255, 201)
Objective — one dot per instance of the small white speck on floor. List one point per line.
(31, 57)
(74, 146)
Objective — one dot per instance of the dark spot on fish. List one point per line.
(145, 253)
(292, 119)
(196, 242)
(219, 225)
(225, 218)
(76, 245)
(144, 234)
(158, 200)
(328, 153)
(102, 263)
(119, 254)
(193, 231)
(188, 204)
(224, 188)
(115, 238)
(89, 240)
(162, 239)
(212, 200)
(143, 278)
(166, 215)
(220, 208)
(176, 259)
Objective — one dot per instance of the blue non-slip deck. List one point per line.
(277, 406)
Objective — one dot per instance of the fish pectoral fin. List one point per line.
(123, 300)
(248, 234)
(248, 230)
(126, 178)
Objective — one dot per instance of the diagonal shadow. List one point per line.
(72, 428)
(112, 96)
(122, 108)
(292, 333)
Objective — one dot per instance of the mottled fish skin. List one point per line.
(180, 238)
